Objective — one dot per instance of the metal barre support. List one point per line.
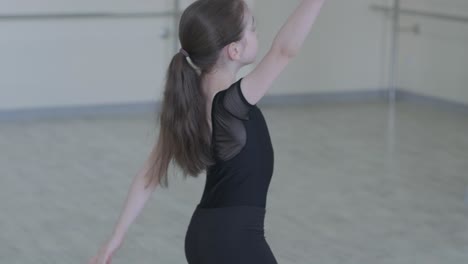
(96, 15)
(441, 16)
(394, 53)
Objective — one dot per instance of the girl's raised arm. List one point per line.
(285, 46)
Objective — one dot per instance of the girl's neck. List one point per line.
(218, 80)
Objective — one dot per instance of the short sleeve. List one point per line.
(235, 103)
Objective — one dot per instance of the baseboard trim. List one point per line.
(81, 111)
(405, 95)
(317, 97)
(123, 109)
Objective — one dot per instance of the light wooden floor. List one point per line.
(340, 193)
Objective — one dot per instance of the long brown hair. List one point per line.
(205, 28)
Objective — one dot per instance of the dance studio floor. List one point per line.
(350, 186)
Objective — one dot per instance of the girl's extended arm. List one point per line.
(286, 45)
(135, 201)
(292, 35)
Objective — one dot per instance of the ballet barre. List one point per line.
(413, 12)
(87, 15)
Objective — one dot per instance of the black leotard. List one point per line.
(243, 152)
(228, 224)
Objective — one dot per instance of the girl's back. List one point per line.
(243, 153)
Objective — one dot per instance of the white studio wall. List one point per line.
(103, 61)
(435, 62)
(81, 62)
(74, 62)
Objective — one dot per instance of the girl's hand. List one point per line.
(104, 256)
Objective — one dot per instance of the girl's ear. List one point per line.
(234, 51)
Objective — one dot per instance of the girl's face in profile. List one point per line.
(249, 40)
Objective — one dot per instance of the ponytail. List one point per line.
(184, 135)
(206, 26)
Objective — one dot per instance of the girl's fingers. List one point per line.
(109, 259)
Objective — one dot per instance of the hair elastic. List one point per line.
(184, 52)
(189, 60)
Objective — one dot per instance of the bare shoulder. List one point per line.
(260, 79)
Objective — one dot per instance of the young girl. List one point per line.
(210, 122)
